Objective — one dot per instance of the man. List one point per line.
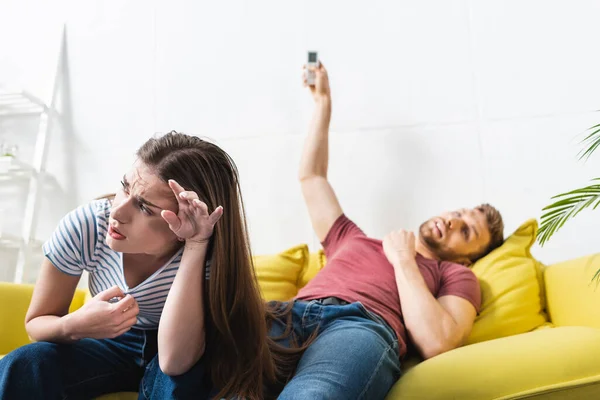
(358, 314)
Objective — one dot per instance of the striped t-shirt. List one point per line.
(79, 243)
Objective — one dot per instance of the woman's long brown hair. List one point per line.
(241, 359)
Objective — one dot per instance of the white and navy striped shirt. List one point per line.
(79, 243)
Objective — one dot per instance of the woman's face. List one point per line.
(135, 223)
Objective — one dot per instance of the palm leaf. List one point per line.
(591, 141)
(596, 277)
(567, 206)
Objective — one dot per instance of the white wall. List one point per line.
(437, 104)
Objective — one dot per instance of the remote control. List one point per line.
(313, 61)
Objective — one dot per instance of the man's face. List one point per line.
(457, 235)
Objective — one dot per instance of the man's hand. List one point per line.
(433, 325)
(320, 90)
(399, 246)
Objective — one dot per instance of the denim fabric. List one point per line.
(89, 368)
(354, 356)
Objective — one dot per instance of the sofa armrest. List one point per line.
(558, 362)
(15, 299)
(572, 297)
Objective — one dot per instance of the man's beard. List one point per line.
(442, 253)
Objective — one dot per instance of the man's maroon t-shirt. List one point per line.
(358, 270)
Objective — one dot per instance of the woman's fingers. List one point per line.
(188, 195)
(216, 215)
(177, 189)
(172, 219)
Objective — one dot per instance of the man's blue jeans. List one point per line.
(89, 368)
(355, 355)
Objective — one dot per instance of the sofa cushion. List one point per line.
(511, 288)
(551, 363)
(278, 273)
(316, 262)
(573, 296)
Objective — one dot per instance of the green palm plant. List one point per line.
(567, 205)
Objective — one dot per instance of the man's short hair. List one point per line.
(495, 225)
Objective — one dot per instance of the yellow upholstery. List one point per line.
(15, 301)
(547, 363)
(278, 273)
(573, 299)
(511, 288)
(562, 360)
(316, 262)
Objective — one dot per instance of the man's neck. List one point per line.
(424, 250)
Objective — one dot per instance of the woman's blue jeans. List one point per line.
(89, 368)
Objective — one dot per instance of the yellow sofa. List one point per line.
(558, 359)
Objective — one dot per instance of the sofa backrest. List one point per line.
(572, 296)
(15, 300)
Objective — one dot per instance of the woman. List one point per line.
(175, 298)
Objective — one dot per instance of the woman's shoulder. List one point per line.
(99, 207)
(80, 232)
(94, 212)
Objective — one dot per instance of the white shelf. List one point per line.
(15, 102)
(10, 248)
(10, 242)
(17, 171)
(19, 103)
(15, 242)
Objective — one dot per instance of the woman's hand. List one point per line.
(192, 222)
(101, 319)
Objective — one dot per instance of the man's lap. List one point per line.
(355, 354)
